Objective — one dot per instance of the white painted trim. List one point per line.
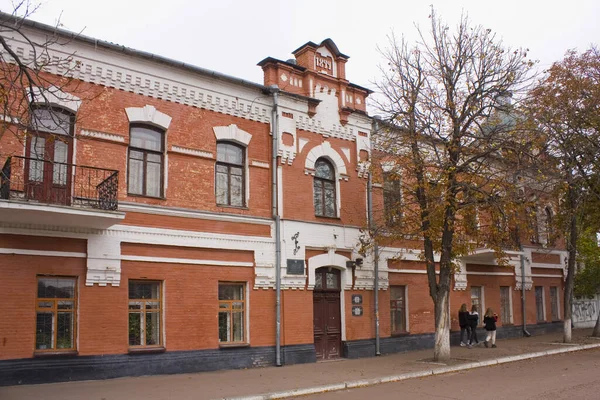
(260, 164)
(53, 95)
(325, 150)
(232, 133)
(170, 260)
(9, 119)
(491, 273)
(192, 152)
(43, 253)
(540, 265)
(546, 276)
(102, 135)
(149, 115)
(188, 213)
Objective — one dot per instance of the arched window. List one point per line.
(145, 171)
(230, 173)
(324, 189)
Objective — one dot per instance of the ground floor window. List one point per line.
(554, 303)
(398, 309)
(505, 305)
(539, 304)
(232, 313)
(145, 308)
(56, 314)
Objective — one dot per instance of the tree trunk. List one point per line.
(572, 249)
(596, 332)
(441, 349)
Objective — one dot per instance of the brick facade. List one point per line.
(189, 243)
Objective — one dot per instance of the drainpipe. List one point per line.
(276, 217)
(522, 257)
(375, 251)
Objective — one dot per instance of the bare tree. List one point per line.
(453, 133)
(32, 74)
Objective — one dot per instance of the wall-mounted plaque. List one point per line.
(357, 311)
(357, 299)
(295, 267)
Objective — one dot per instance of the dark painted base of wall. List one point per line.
(75, 368)
(44, 370)
(399, 344)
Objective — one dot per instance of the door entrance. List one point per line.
(49, 152)
(327, 323)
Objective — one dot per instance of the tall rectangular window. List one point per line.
(145, 308)
(398, 309)
(554, 303)
(145, 167)
(230, 173)
(232, 313)
(392, 198)
(539, 304)
(56, 306)
(324, 193)
(477, 298)
(505, 305)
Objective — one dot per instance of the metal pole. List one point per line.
(275, 210)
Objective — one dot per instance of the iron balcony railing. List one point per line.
(42, 181)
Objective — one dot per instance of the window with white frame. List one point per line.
(145, 314)
(56, 313)
(398, 309)
(477, 300)
(230, 174)
(146, 158)
(232, 313)
(505, 305)
(540, 311)
(324, 189)
(554, 303)
(392, 198)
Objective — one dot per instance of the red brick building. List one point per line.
(146, 214)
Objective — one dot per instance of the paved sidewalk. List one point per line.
(279, 382)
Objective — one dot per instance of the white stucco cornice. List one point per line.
(325, 150)
(232, 133)
(148, 115)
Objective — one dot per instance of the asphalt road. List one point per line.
(570, 376)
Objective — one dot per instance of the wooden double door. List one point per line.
(327, 324)
(48, 168)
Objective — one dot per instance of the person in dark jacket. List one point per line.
(473, 322)
(463, 321)
(490, 320)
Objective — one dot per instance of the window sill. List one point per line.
(327, 217)
(233, 345)
(400, 334)
(234, 207)
(146, 350)
(57, 354)
(142, 196)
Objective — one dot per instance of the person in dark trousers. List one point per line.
(490, 319)
(463, 321)
(473, 322)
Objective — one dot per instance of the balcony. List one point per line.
(41, 192)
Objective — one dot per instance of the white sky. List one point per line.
(232, 36)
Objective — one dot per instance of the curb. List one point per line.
(410, 375)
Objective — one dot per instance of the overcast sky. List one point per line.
(232, 36)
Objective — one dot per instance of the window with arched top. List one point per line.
(324, 189)
(146, 158)
(230, 174)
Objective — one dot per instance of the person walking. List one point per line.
(490, 319)
(473, 322)
(463, 322)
